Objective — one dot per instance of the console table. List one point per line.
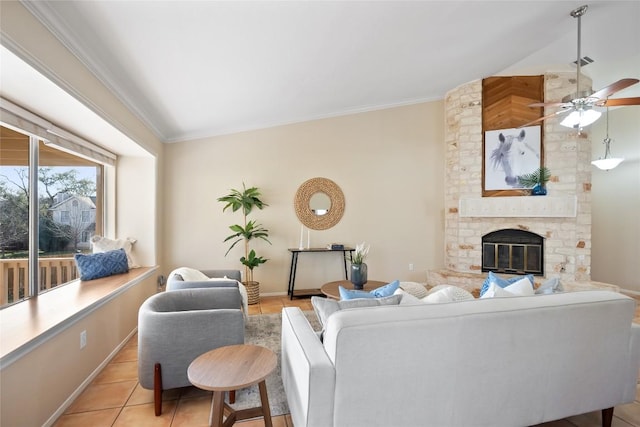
(294, 264)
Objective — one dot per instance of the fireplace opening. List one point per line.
(513, 251)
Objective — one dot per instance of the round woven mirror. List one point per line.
(319, 203)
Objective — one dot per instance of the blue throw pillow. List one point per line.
(503, 283)
(381, 292)
(95, 266)
(550, 286)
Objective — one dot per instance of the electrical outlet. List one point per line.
(411, 267)
(83, 339)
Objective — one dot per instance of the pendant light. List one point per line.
(608, 162)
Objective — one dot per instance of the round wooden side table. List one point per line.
(231, 368)
(331, 289)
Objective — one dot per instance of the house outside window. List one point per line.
(69, 192)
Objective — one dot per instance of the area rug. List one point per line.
(264, 330)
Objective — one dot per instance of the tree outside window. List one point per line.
(67, 197)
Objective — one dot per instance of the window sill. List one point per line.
(27, 324)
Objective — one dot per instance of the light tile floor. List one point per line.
(115, 399)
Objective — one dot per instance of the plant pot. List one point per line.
(253, 292)
(539, 190)
(358, 275)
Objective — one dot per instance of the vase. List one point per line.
(358, 275)
(539, 190)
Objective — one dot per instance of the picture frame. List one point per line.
(507, 154)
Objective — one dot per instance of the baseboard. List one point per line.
(65, 405)
(629, 292)
(272, 294)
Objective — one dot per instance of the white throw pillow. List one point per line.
(522, 287)
(447, 293)
(495, 291)
(418, 290)
(189, 274)
(104, 244)
(407, 298)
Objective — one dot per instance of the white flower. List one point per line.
(361, 253)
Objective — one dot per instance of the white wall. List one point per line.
(616, 202)
(388, 163)
(136, 189)
(135, 209)
(38, 386)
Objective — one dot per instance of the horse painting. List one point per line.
(513, 156)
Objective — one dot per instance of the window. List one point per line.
(68, 192)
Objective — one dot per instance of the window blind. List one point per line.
(18, 118)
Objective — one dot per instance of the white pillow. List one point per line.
(189, 274)
(407, 298)
(447, 293)
(495, 291)
(418, 290)
(522, 287)
(104, 244)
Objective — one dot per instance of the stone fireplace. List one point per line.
(562, 218)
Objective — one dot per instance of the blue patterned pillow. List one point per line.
(503, 283)
(95, 266)
(381, 292)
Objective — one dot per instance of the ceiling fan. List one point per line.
(581, 105)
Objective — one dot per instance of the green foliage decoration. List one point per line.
(245, 201)
(539, 176)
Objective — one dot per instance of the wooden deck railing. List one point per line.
(14, 276)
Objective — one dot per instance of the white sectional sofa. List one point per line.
(494, 362)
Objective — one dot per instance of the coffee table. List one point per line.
(230, 368)
(331, 289)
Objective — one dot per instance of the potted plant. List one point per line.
(246, 200)
(536, 181)
(358, 267)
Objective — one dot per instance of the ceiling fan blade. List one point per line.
(620, 101)
(613, 88)
(548, 116)
(549, 104)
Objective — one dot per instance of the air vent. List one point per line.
(585, 60)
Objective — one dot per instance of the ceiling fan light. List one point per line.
(581, 118)
(607, 164)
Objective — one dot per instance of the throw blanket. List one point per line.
(193, 275)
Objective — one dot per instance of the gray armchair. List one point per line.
(176, 327)
(177, 282)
